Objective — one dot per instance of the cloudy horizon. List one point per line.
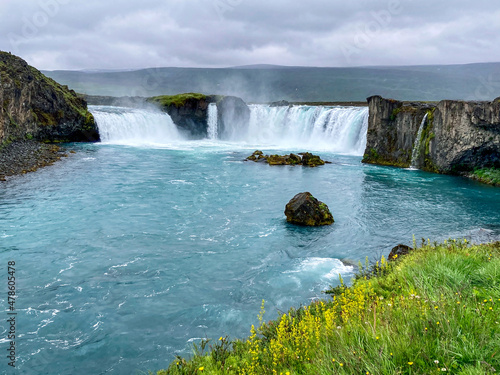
(59, 34)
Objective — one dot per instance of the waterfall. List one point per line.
(134, 126)
(416, 146)
(311, 128)
(212, 121)
(337, 129)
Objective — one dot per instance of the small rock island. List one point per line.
(303, 158)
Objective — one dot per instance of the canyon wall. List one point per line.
(456, 136)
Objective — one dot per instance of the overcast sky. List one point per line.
(128, 34)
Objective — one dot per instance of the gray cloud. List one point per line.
(65, 34)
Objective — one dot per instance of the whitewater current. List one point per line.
(130, 250)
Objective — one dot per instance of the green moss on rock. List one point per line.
(176, 100)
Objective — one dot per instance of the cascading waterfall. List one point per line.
(134, 126)
(212, 121)
(337, 129)
(416, 146)
(334, 129)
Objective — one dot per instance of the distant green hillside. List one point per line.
(270, 83)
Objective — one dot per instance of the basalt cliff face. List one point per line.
(455, 136)
(33, 106)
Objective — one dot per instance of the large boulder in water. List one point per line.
(304, 209)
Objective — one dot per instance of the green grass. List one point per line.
(177, 100)
(433, 311)
(487, 175)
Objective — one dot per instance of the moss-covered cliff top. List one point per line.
(177, 100)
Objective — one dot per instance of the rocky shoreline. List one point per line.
(21, 157)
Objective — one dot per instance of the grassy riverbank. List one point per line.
(435, 310)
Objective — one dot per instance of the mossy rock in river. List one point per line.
(307, 159)
(311, 160)
(304, 209)
(276, 160)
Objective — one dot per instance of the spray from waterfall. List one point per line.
(212, 121)
(416, 146)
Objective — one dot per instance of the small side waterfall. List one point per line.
(416, 146)
(212, 121)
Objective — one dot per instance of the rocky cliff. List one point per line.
(33, 106)
(189, 112)
(455, 136)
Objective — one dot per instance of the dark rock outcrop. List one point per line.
(457, 136)
(306, 159)
(188, 112)
(398, 251)
(33, 106)
(304, 209)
